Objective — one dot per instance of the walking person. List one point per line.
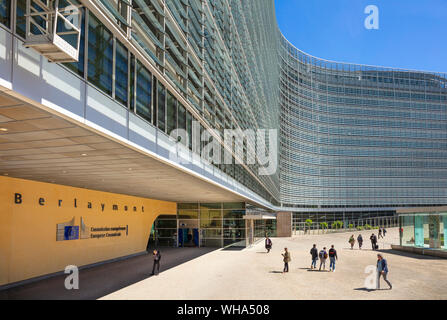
(382, 271)
(384, 232)
(323, 256)
(157, 257)
(287, 259)
(351, 241)
(380, 233)
(373, 239)
(360, 241)
(268, 244)
(314, 254)
(332, 258)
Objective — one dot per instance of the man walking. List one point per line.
(380, 233)
(360, 241)
(373, 239)
(323, 257)
(384, 232)
(332, 258)
(286, 260)
(382, 271)
(157, 256)
(314, 254)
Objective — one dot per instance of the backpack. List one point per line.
(322, 254)
(325, 255)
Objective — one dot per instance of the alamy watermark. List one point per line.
(247, 146)
(372, 20)
(72, 280)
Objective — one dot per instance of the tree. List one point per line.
(309, 223)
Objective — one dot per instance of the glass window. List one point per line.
(234, 223)
(234, 205)
(181, 117)
(161, 107)
(154, 102)
(188, 214)
(78, 67)
(207, 214)
(132, 83)
(204, 206)
(206, 223)
(5, 12)
(166, 224)
(20, 17)
(212, 233)
(233, 214)
(100, 55)
(189, 128)
(171, 113)
(144, 90)
(188, 206)
(121, 73)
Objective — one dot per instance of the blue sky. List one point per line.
(412, 33)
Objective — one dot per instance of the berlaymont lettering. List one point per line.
(18, 199)
(45, 227)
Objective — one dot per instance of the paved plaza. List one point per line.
(254, 274)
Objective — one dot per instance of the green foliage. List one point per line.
(351, 226)
(368, 227)
(323, 225)
(309, 223)
(337, 225)
(360, 228)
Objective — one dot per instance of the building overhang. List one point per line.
(414, 210)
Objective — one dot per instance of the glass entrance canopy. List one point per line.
(423, 228)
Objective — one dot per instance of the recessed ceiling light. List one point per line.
(3, 129)
(6, 174)
(130, 169)
(84, 154)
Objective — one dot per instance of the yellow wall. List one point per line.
(28, 246)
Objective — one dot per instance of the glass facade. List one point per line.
(424, 230)
(356, 136)
(212, 225)
(349, 135)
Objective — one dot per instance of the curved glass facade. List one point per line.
(350, 135)
(356, 136)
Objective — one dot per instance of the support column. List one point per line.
(284, 224)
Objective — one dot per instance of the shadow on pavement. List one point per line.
(233, 248)
(365, 289)
(96, 282)
(370, 290)
(409, 254)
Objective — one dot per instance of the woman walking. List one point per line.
(352, 241)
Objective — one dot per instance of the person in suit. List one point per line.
(373, 239)
(382, 271)
(314, 254)
(157, 257)
(287, 258)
